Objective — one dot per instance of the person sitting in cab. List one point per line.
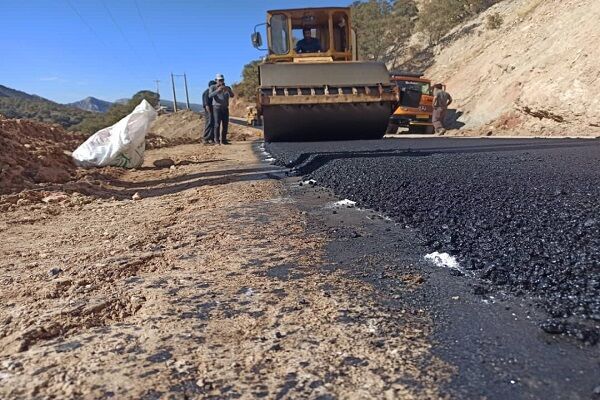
(308, 44)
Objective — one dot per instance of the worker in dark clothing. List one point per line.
(441, 101)
(308, 44)
(220, 95)
(209, 121)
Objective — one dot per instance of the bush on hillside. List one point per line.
(383, 27)
(436, 18)
(494, 21)
(42, 110)
(248, 87)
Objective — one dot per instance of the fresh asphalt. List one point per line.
(520, 316)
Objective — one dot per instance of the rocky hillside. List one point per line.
(527, 67)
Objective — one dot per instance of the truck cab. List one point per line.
(414, 108)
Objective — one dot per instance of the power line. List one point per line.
(99, 38)
(85, 22)
(137, 6)
(114, 21)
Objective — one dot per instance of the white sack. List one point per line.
(120, 145)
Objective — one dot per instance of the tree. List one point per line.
(383, 27)
(438, 17)
(248, 86)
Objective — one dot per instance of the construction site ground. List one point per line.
(221, 277)
(207, 286)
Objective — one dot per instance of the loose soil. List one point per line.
(34, 153)
(207, 286)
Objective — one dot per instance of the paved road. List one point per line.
(520, 216)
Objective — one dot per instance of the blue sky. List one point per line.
(66, 50)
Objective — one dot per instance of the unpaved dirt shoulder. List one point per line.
(211, 285)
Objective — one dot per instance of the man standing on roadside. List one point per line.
(220, 95)
(209, 121)
(441, 101)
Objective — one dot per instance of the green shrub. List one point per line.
(383, 27)
(438, 17)
(494, 21)
(248, 87)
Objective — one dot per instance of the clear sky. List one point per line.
(66, 50)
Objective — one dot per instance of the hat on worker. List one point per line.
(219, 77)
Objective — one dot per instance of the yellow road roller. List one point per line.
(311, 86)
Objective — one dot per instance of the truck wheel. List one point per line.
(392, 128)
(416, 130)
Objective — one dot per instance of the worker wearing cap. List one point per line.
(209, 120)
(220, 95)
(441, 101)
(308, 44)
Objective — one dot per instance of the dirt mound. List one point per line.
(239, 107)
(34, 153)
(177, 126)
(186, 127)
(536, 74)
(35, 161)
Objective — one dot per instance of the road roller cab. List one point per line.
(310, 85)
(329, 28)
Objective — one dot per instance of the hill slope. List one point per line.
(17, 104)
(91, 104)
(536, 74)
(7, 92)
(181, 105)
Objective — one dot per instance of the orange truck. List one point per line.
(415, 103)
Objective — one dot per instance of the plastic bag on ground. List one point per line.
(120, 145)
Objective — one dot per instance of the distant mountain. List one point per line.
(91, 104)
(181, 106)
(169, 104)
(17, 104)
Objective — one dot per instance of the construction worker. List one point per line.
(220, 94)
(308, 44)
(441, 101)
(209, 121)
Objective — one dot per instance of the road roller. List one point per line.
(312, 86)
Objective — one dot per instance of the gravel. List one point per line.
(522, 216)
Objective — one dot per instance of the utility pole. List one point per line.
(174, 96)
(187, 96)
(157, 90)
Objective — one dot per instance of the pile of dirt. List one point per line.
(536, 74)
(182, 125)
(239, 107)
(36, 164)
(186, 127)
(34, 153)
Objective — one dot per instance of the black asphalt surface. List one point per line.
(521, 216)
(493, 344)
